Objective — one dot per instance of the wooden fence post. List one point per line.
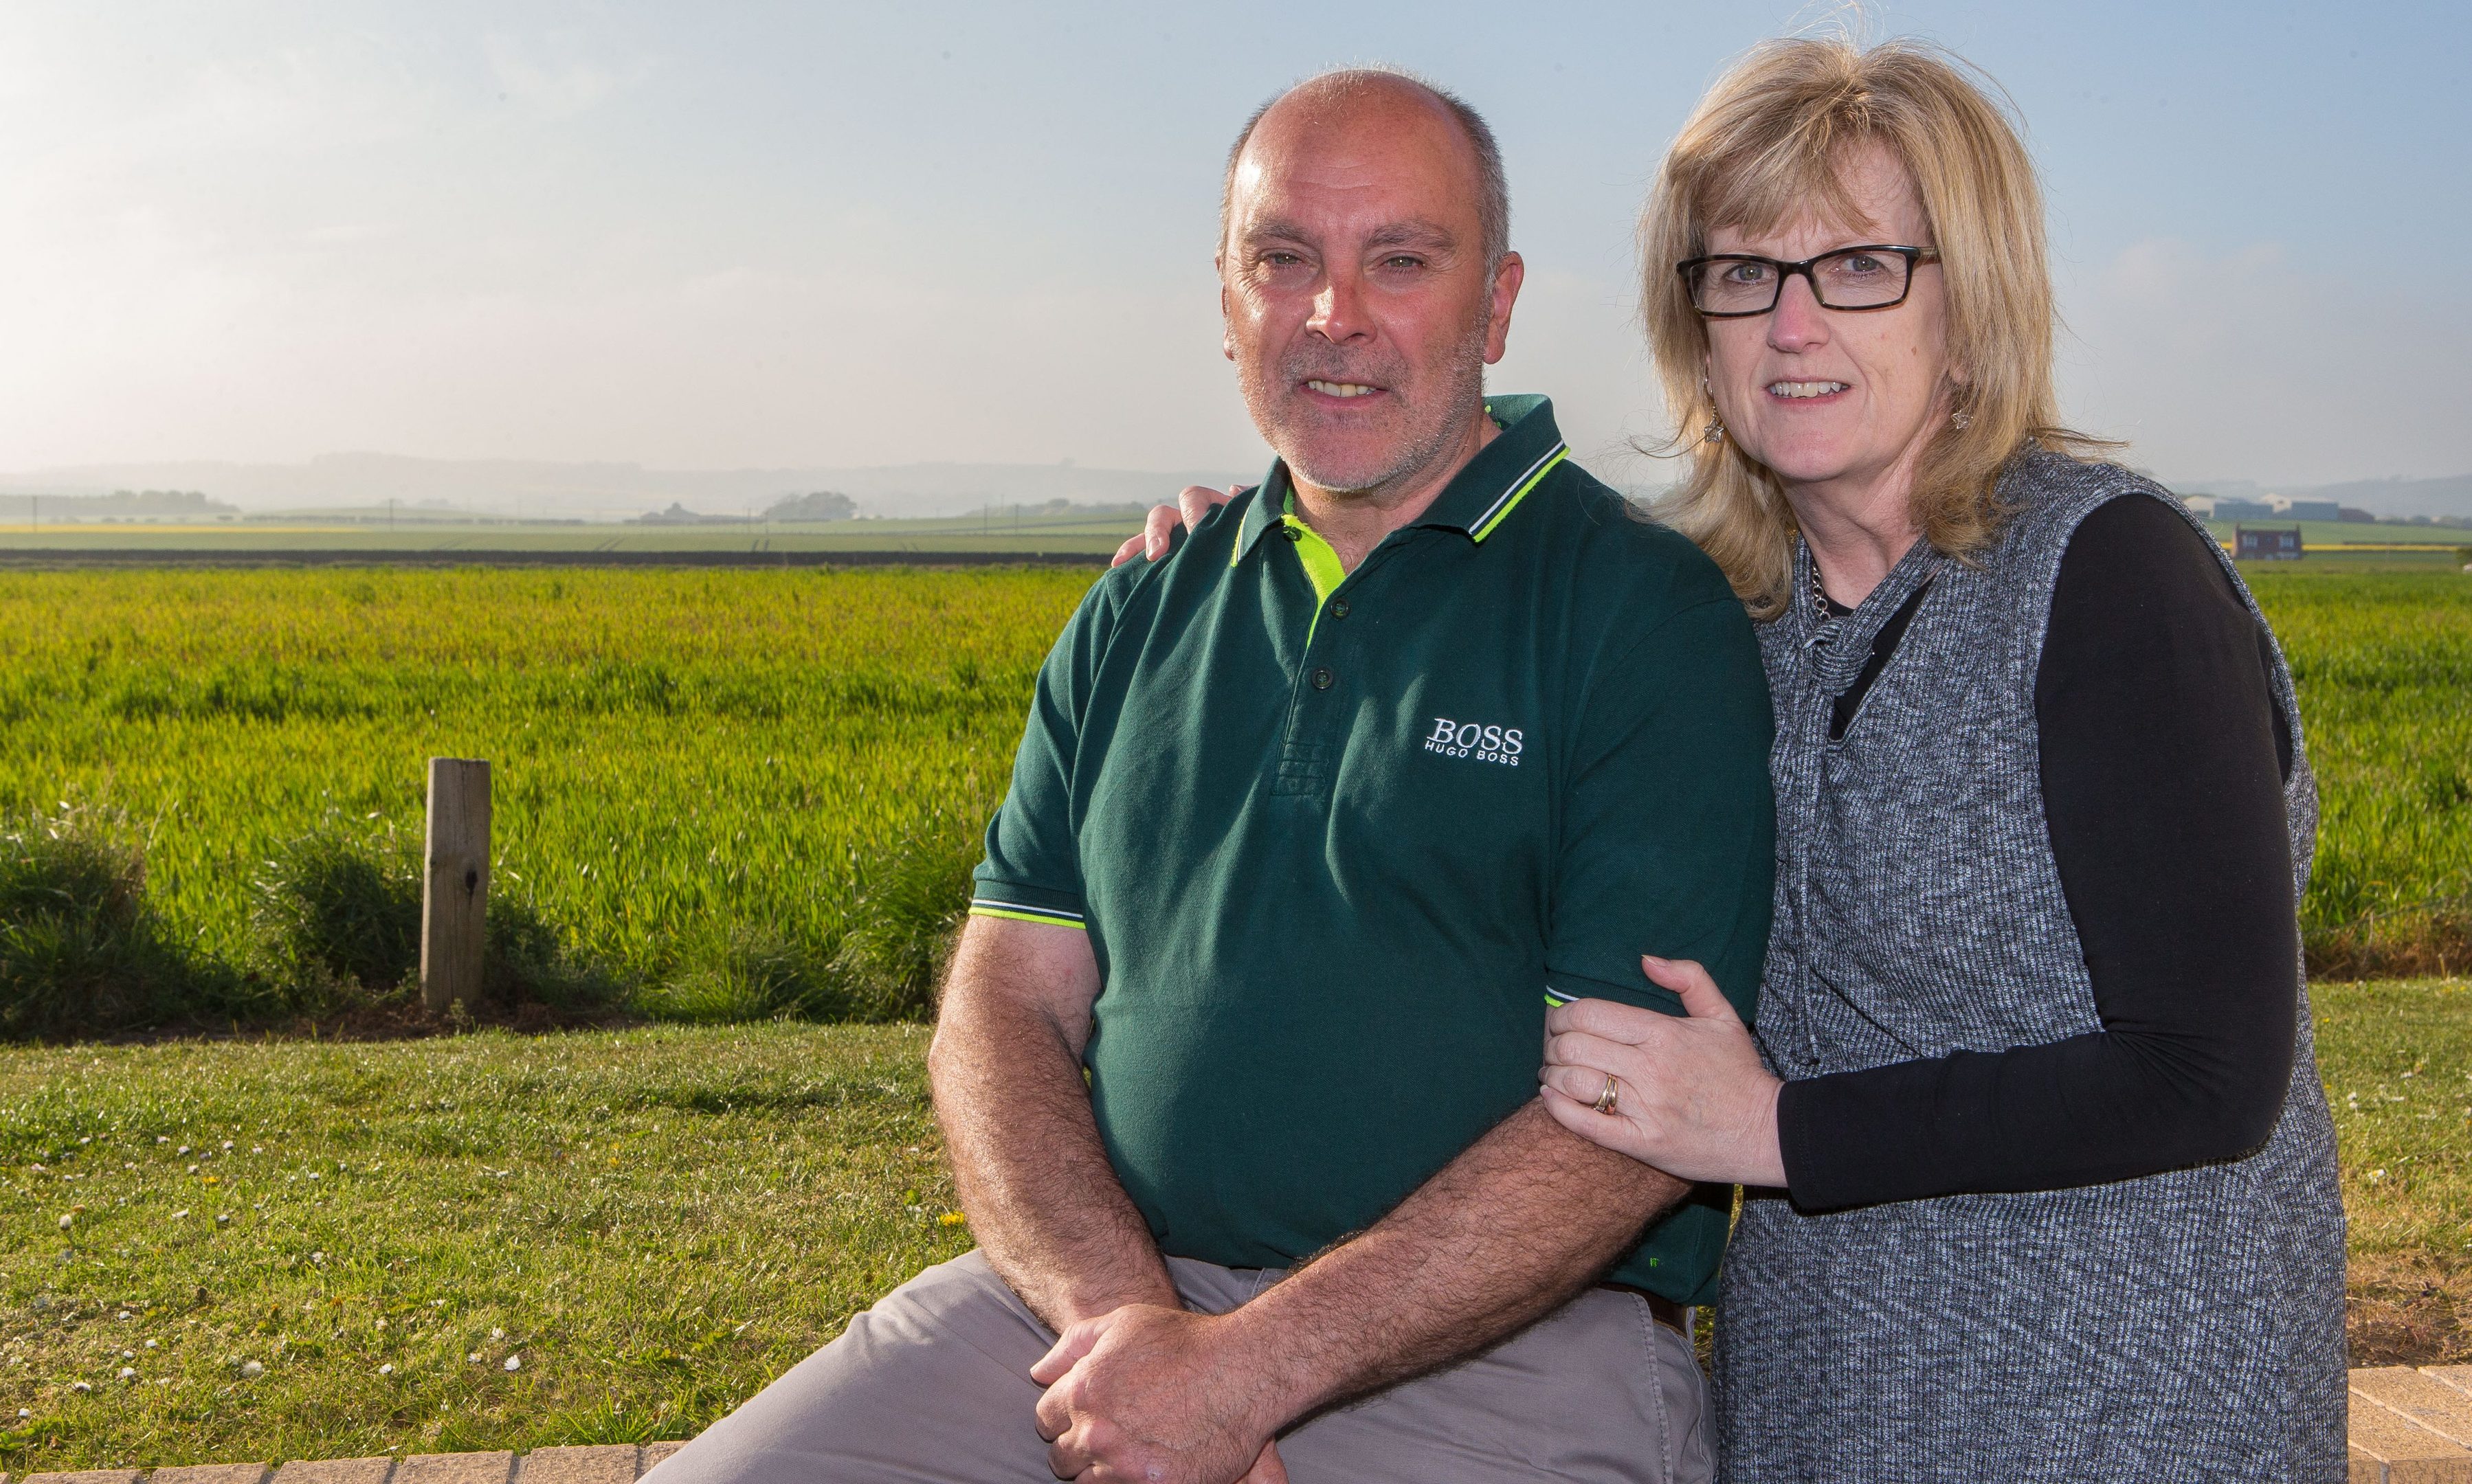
(455, 894)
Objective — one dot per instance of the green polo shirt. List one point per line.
(1337, 837)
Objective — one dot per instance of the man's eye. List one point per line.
(1281, 259)
(1403, 260)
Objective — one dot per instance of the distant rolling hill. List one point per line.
(616, 491)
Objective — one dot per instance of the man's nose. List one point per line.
(1799, 322)
(1340, 312)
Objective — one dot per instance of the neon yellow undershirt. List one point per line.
(1323, 567)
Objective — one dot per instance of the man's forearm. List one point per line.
(1042, 1198)
(1519, 1223)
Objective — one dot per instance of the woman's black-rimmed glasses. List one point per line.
(1733, 285)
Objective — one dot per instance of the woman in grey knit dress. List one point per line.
(2041, 1181)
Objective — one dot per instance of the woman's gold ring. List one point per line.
(1606, 1100)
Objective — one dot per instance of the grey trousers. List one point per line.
(932, 1383)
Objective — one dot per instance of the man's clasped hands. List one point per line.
(1146, 1392)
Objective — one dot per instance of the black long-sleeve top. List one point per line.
(2164, 757)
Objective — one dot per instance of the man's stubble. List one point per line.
(1430, 426)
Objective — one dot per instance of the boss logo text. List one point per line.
(1475, 740)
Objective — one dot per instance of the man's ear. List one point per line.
(1226, 330)
(1507, 275)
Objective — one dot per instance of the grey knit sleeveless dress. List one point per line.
(2182, 1326)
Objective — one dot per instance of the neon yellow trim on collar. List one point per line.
(1503, 511)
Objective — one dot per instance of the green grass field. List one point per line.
(654, 1223)
(723, 795)
(1084, 531)
(1080, 532)
(2384, 663)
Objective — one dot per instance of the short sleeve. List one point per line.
(1032, 870)
(1668, 831)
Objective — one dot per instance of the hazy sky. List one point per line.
(734, 234)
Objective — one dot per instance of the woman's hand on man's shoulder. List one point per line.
(1158, 529)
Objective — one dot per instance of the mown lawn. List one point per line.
(581, 1237)
(2398, 1060)
(653, 1223)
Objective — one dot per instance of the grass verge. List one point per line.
(477, 1242)
(654, 1223)
(2398, 1060)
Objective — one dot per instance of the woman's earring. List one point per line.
(1715, 432)
(1960, 419)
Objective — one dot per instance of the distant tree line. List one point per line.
(823, 505)
(128, 505)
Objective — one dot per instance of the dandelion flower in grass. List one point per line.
(951, 1219)
(252, 1369)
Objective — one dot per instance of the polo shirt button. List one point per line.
(1339, 607)
(1321, 678)
(1292, 532)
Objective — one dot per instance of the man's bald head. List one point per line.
(1340, 93)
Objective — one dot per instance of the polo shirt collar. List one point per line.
(1477, 500)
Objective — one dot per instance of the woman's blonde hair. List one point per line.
(1770, 144)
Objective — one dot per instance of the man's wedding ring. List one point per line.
(1606, 1100)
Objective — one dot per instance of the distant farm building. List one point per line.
(2271, 543)
(2306, 509)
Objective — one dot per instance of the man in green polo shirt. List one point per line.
(1237, 1059)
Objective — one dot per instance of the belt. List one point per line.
(1664, 1311)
